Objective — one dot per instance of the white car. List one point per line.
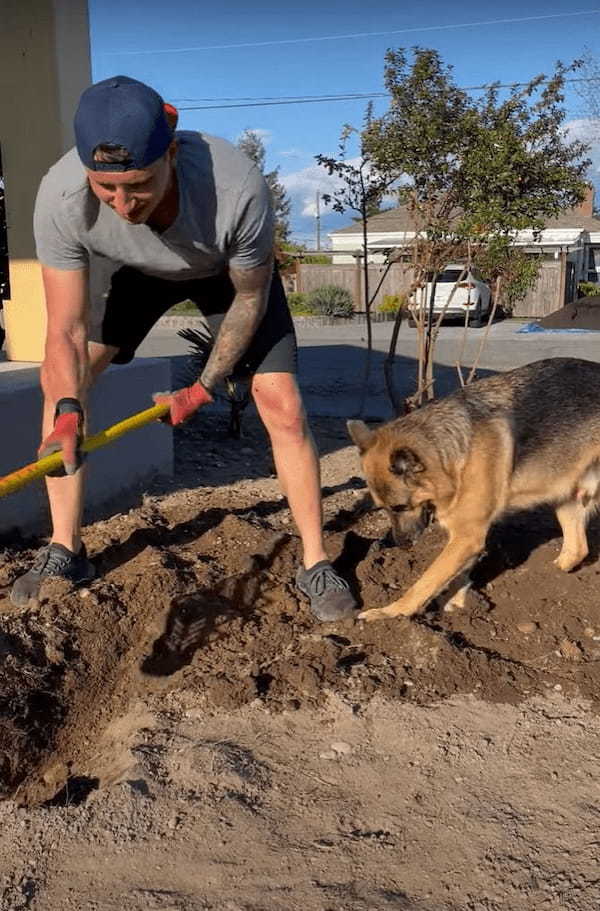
(472, 295)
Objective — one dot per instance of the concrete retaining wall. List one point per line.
(117, 472)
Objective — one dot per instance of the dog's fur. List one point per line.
(507, 442)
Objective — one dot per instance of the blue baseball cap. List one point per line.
(123, 112)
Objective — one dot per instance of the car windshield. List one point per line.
(450, 275)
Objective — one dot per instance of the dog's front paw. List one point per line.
(375, 613)
(568, 561)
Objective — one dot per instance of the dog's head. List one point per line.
(397, 479)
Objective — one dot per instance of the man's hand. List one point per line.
(183, 403)
(66, 436)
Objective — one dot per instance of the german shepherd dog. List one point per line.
(508, 442)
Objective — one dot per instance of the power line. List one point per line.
(399, 31)
(259, 104)
(350, 96)
(180, 101)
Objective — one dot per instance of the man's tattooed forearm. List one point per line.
(240, 323)
(235, 335)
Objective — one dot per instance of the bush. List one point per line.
(331, 300)
(298, 303)
(588, 289)
(183, 308)
(392, 303)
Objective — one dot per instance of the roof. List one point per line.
(573, 220)
(393, 220)
(399, 220)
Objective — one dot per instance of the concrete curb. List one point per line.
(190, 321)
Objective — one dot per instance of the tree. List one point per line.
(289, 253)
(361, 189)
(252, 145)
(472, 173)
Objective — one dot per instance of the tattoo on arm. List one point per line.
(240, 323)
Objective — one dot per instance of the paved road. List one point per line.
(331, 359)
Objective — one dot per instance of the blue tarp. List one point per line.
(535, 327)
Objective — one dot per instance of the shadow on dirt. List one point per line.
(157, 533)
(511, 542)
(202, 617)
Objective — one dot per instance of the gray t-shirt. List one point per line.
(225, 217)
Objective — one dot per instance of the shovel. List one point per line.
(35, 470)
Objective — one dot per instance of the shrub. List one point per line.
(298, 303)
(588, 289)
(392, 303)
(331, 300)
(184, 307)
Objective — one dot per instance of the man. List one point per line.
(133, 220)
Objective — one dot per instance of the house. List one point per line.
(569, 246)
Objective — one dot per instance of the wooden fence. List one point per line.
(350, 277)
(549, 294)
(552, 291)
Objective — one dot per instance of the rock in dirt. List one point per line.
(527, 628)
(341, 748)
(328, 754)
(570, 650)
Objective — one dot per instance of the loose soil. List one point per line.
(580, 314)
(183, 734)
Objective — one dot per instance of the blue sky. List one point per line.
(200, 54)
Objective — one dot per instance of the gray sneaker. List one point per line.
(52, 560)
(329, 595)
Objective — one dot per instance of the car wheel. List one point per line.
(477, 321)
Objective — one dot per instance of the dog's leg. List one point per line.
(456, 596)
(481, 497)
(573, 518)
(457, 557)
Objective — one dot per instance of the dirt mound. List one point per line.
(580, 314)
(184, 734)
(196, 593)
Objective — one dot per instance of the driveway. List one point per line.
(331, 359)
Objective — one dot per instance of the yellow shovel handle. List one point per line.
(31, 472)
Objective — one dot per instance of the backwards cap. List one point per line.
(123, 112)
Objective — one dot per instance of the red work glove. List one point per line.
(183, 403)
(66, 436)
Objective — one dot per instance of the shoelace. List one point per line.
(326, 579)
(50, 562)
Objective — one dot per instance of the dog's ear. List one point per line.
(361, 434)
(405, 461)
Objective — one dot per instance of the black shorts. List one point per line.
(135, 302)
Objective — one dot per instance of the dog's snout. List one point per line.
(407, 524)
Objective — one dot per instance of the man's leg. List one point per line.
(66, 493)
(279, 404)
(64, 556)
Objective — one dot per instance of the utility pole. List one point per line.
(318, 200)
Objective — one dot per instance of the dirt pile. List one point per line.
(196, 592)
(580, 314)
(183, 734)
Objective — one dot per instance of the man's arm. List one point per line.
(240, 323)
(237, 329)
(65, 371)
